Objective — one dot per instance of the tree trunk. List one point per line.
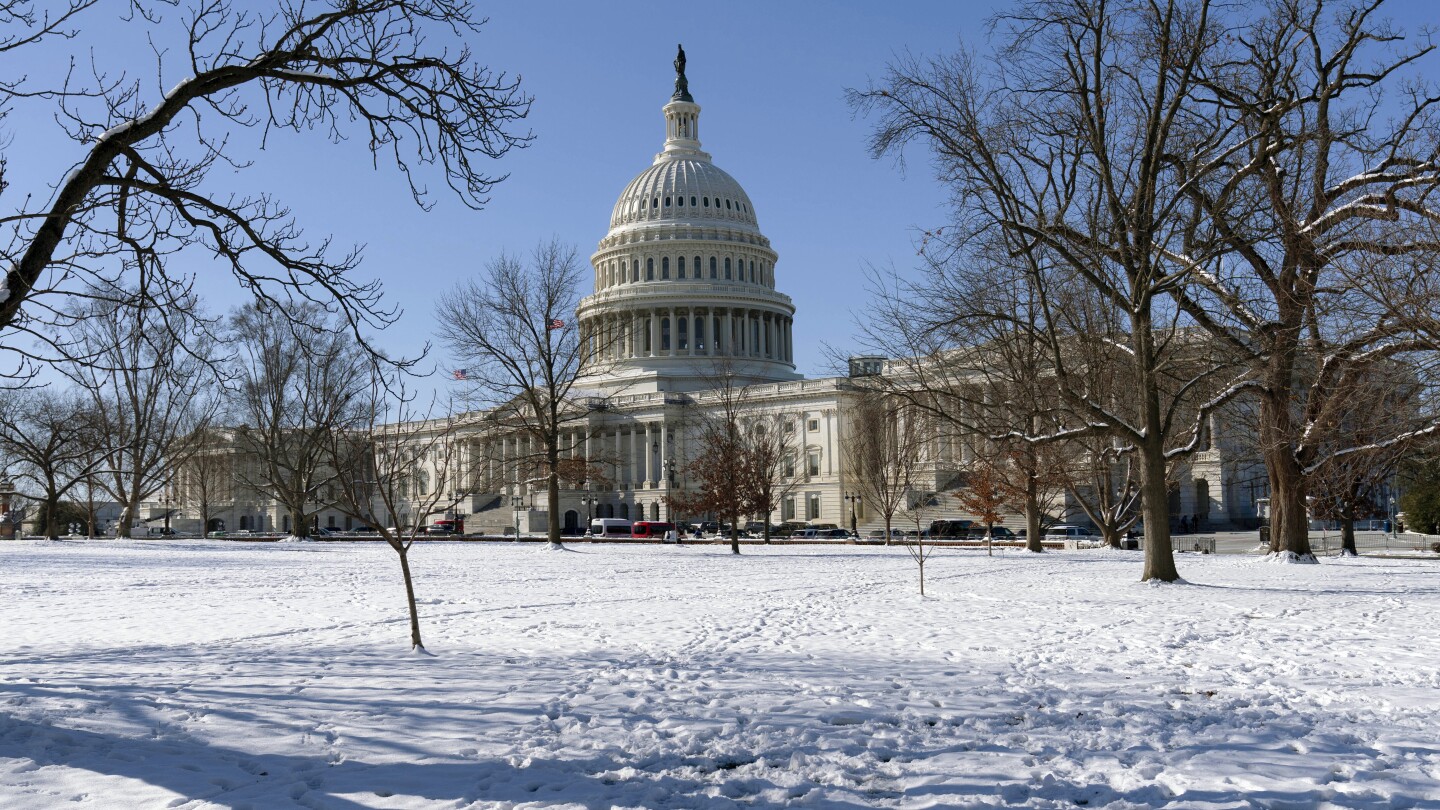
(734, 536)
(415, 642)
(989, 540)
(1155, 506)
(1347, 536)
(50, 518)
(123, 526)
(920, 560)
(552, 500)
(1289, 518)
(1033, 537)
(766, 533)
(1111, 536)
(887, 530)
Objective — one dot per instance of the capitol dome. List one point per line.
(684, 279)
(683, 190)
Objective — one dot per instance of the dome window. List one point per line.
(680, 201)
(706, 200)
(712, 267)
(680, 268)
(692, 202)
(727, 205)
(635, 270)
(654, 202)
(649, 269)
(667, 202)
(727, 268)
(752, 272)
(665, 267)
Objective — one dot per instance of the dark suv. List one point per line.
(951, 528)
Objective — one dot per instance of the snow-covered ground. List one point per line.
(137, 674)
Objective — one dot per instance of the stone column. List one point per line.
(634, 333)
(649, 458)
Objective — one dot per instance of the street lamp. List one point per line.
(854, 501)
(516, 501)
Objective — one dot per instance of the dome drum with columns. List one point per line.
(685, 280)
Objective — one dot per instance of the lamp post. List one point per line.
(516, 501)
(589, 500)
(854, 500)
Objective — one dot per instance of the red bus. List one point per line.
(651, 529)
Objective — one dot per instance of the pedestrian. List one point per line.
(1184, 524)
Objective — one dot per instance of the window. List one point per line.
(654, 202)
(680, 268)
(706, 201)
(787, 508)
(664, 334)
(788, 468)
(655, 510)
(667, 202)
(812, 505)
(329, 521)
(812, 462)
(727, 205)
(700, 336)
(635, 270)
(680, 201)
(665, 267)
(752, 272)
(813, 425)
(712, 267)
(649, 269)
(727, 267)
(692, 202)
(683, 333)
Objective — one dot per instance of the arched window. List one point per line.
(700, 335)
(682, 334)
(680, 268)
(655, 510)
(712, 267)
(649, 269)
(680, 201)
(635, 270)
(692, 202)
(706, 201)
(664, 334)
(752, 271)
(727, 205)
(665, 267)
(667, 202)
(727, 267)
(654, 202)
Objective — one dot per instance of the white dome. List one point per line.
(681, 190)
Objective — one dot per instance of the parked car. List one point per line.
(216, 535)
(977, 532)
(950, 528)
(438, 531)
(610, 527)
(321, 531)
(1061, 532)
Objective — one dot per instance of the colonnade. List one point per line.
(635, 454)
(690, 331)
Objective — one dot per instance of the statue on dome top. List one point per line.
(682, 85)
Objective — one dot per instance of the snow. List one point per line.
(201, 674)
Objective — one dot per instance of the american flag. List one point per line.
(556, 323)
(462, 374)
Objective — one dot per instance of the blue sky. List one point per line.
(769, 76)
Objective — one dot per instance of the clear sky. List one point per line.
(769, 76)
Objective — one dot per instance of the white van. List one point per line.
(610, 527)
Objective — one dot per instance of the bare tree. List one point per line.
(770, 465)
(148, 377)
(147, 183)
(45, 437)
(1359, 454)
(1071, 156)
(1325, 209)
(722, 477)
(513, 329)
(207, 477)
(300, 379)
(879, 463)
(390, 459)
